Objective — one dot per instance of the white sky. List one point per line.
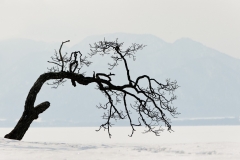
(215, 23)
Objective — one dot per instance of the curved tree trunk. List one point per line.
(30, 112)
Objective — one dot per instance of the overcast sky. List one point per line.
(215, 23)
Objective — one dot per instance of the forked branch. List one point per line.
(150, 100)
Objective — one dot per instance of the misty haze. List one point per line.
(208, 93)
(187, 49)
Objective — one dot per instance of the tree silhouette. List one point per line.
(150, 101)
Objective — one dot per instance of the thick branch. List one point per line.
(29, 103)
(42, 107)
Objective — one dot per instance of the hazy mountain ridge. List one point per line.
(209, 80)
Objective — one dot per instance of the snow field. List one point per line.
(97, 146)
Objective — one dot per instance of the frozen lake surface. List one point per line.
(196, 142)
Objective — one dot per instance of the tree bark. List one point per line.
(25, 121)
(30, 112)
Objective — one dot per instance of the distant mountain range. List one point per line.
(209, 80)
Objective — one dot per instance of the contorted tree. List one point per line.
(150, 100)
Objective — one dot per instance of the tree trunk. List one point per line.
(25, 121)
(30, 112)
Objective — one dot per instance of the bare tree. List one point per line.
(150, 101)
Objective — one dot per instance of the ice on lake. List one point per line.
(191, 142)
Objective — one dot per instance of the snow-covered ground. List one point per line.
(193, 143)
